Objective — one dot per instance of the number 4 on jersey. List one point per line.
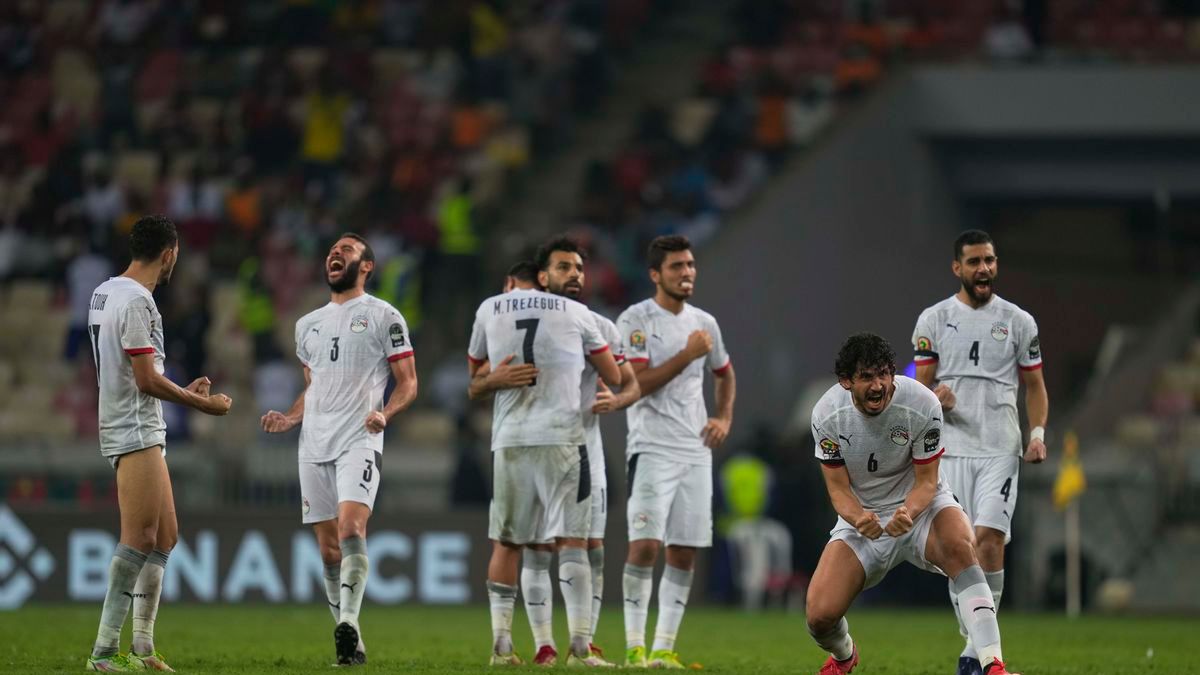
(974, 355)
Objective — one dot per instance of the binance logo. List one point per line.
(22, 562)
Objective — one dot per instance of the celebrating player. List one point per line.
(669, 343)
(347, 348)
(971, 346)
(542, 482)
(127, 343)
(878, 436)
(560, 268)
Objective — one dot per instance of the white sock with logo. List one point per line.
(539, 595)
(146, 594)
(123, 574)
(637, 584)
(596, 558)
(575, 583)
(501, 598)
(333, 590)
(673, 592)
(353, 579)
(979, 613)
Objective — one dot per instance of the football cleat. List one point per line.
(969, 666)
(152, 661)
(589, 661)
(997, 668)
(666, 659)
(635, 657)
(117, 663)
(598, 653)
(834, 667)
(546, 656)
(509, 659)
(345, 641)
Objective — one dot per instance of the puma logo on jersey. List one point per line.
(656, 337)
(317, 331)
(566, 581)
(953, 325)
(129, 594)
(364, 487)
(846, 438)
(680, 602)
(350, 586)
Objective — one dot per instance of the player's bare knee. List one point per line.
(144, 539)
(681, 557)
(643, 552)
(820, 620)
(958, 552)
(990, 550)
(331, 554)
(165, 542)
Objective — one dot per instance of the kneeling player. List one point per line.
(878, 438)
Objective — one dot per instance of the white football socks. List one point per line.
(123, 574)
(637, 584)
(146, 594)
(673, 592)
(575, 582)
(539, 595)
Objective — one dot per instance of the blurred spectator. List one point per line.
(85, 272)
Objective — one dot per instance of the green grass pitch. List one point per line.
(291, 639)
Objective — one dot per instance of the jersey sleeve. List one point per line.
(633, 336)
(593, 339)
(826, 437)
(397, 343)
(924, 339)
(301, 352)
(1030, 357)
(613, 337)
(718, 359)
(927, 445)
(135, 322)
(477, 350)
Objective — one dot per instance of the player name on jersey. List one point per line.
(544, 303)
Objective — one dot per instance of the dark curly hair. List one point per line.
(525, 271)
(863, 350)
(557, 243)
(150, 236)
(970, 238)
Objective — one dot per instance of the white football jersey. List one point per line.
(978, 353)
(553, 333)
(670, 420)
(589, 384)
(348, 349)
(879, 451)
(123, 321)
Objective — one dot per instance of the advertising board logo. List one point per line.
(22, 562)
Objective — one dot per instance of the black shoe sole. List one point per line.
(345, 641)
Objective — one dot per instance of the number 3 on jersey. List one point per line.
(530, 327)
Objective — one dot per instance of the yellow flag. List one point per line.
(1070, 482)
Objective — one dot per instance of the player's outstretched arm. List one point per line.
(404, 371)
(195, 395)
(607, 401)
(837, 482)
(716, 430)
(699, 343)
(275, 422)
(1037, 408)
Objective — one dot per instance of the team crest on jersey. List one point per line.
(358, 324)
(637, 340)
(830, 449)
(899, 435)
(999, 331)
(307, 508)
(396, 333)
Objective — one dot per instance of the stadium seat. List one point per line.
(138, 170)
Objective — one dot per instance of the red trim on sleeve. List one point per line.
(620, 358)
(718, 371)
(1036, 366)
(600, 351)
(405, 355)
(140, 350)
(928, 459)
(925, 362)
(634, 359)
(472, 359)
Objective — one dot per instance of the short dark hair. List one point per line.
(525, 271)
(661, 246)
(368, 254)
(970, 238)
(150, 236)
(863, 350)
(557, 243)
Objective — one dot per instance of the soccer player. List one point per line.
(127, 342)
(878, 436)
(348, 348)
(560, 271)
(542, 483)
(972, 346)
(669, 342)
